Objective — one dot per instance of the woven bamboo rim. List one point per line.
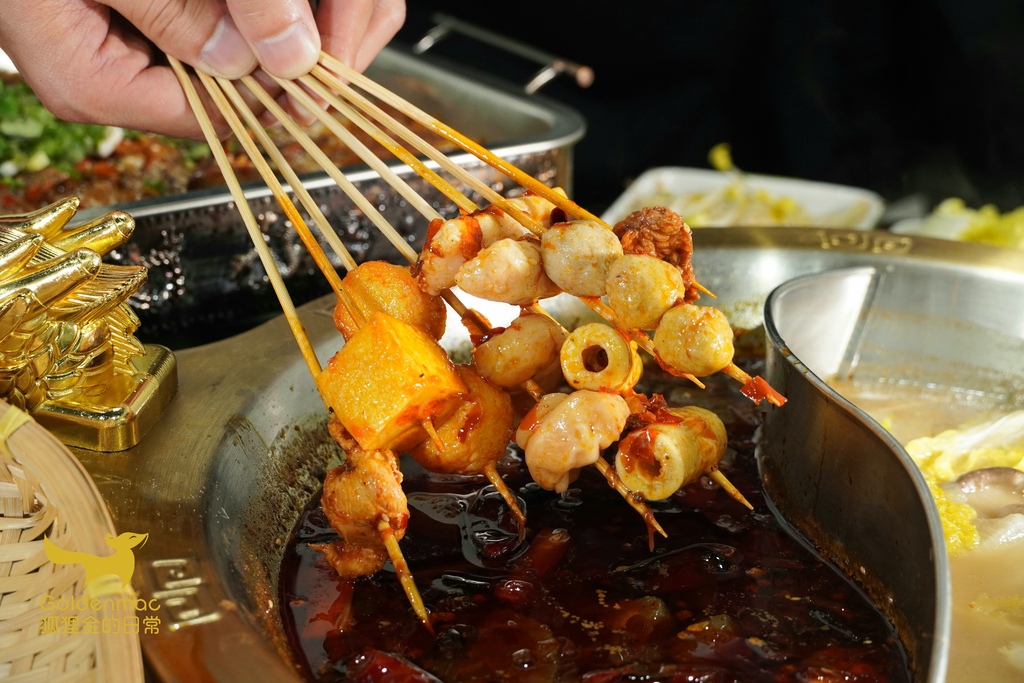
(45, 491)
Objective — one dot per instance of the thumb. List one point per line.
(283, 34)
(201, 33)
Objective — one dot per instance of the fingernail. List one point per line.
(268, 120)
(302, 116)
(291, 53)
(226, 53)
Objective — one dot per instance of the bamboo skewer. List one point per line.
(485, 155)
(464, 203)
(384, 527)
(308, 354)
(460, 309)
(326, 82)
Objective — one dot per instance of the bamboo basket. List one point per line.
(45, 491)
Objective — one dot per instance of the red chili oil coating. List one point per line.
(637, 450)
(730, 595)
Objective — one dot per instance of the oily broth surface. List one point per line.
(730, 595)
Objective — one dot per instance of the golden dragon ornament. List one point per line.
(68, 354)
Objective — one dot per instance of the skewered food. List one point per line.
(660, 232)
(563, 434)
(450, 244)
(495, 253)
(414, 383)
(662, 457)
(597, 357)
(467, 432)
(641, 289)
(510, 271)
(472, 440)
(577, 255)
(694, 339)
(359, 496)
(378, 286)
(523, 350)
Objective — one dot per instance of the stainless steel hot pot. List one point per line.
(220, 481)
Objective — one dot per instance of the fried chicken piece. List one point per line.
(358, 495)
(662, 233)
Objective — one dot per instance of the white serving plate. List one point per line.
(828, 205)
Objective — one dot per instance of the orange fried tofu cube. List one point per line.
(388, 379)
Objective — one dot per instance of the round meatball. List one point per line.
(695, 340)
(577, 255)
(641, 289)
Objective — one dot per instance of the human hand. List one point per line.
(94, 62)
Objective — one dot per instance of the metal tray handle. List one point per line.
(551, 65)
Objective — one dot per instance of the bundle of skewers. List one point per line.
(391, 389)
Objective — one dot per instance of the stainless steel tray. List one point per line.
(205, 281)
(221, 480)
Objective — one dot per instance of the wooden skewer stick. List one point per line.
(242, 204)
(403, 154)
(307, 143)
(491, 159)
(339, 88)
(384, 528)
(353, 193)
(631, 497)
(387, 535)
(491, 472)
(372, 159)
(720, 479)
(428, 427)
(218, 89)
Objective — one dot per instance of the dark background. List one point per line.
(912, 99)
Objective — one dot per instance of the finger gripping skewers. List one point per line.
(392, 389)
